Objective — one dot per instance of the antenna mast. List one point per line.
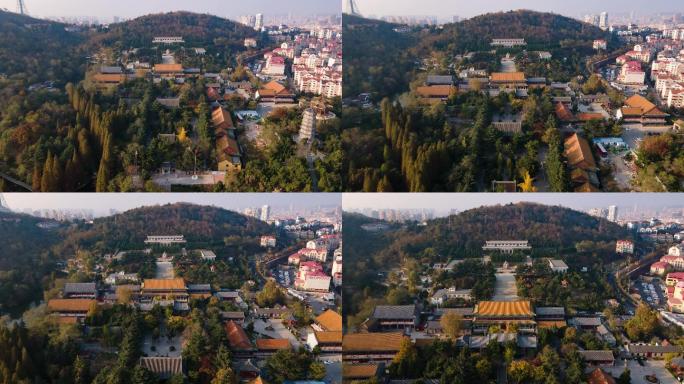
(21, 7)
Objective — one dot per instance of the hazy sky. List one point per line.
(103, 202)
(447, 8)
(133, 8)
(444, 202)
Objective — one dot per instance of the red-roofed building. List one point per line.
(673, 278)
(659, 268)
(311, 277)
(237, 340)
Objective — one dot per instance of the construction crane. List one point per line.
(21, 7)
(352, 8)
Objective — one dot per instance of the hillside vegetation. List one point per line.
(198, 29)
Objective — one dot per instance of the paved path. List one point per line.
(505, 289)
(164, 270)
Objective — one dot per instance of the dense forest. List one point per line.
(418, 149)
(539, 29)
(199, 224)
(196, 29)
(375, 57)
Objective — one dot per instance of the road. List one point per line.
(15, 181)
(505, 289)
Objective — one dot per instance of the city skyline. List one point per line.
(103, 203)
(131, 9)
(380, 8)
(442, 203)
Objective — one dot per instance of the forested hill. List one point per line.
(197, 223)
(540, 30)
(549, 229)
(376, 57)
(22, 238)
(196, 29)
(37, 49)
(24, 260)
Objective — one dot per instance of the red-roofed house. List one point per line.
(659, 268)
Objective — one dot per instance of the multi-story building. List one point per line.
(506, 246)
(337, 267)
(165, 240)
(311, 277)
(268, 241)
(508, 43)
(624, 246)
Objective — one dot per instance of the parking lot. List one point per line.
(651, 292)
(639, 372)
(284, 276)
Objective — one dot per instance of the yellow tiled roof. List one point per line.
(504, 308)
(330, 320)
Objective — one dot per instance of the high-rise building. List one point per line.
(603, 21)
(265, 213)
(308, 128)
(612, 213)
(259, 23)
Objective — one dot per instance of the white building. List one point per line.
(612, 213)
(337, 267)
(259, 22)
(265, 213)
(603, 21)
(168, 40)
(165, 240)
(207, 255)
(447, 294)
(307, 130)
(268, 241)
(506, 246)
(250, 43)
(558, 266)
(624, 246)
(311, 277)
(600, 45)
(508, 43)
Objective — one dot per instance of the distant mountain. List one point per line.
(196, 29)
(204, 224)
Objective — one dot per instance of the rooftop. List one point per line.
(164, 284)
(394, 312)
(70, 305)
(372, 342)
(504, 308)
(330, 320)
